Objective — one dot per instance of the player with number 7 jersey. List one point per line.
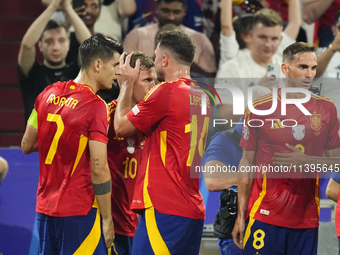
(63, 108)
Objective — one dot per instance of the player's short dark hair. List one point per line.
(184, 2)
(296, 48)
(180, 45)
(145, 62)
(97, 47)
(336, 17)
(268, 17)
(53, 24)
(243, 26)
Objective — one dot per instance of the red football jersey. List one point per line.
(291, 202)
(124, 157)
(170, 116)
(69, 115)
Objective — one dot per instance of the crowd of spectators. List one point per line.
(235, 40)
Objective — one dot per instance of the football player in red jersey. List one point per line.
(69, 125)
(124, 157)
(283, 213)
(168, 199)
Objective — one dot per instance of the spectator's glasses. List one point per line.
(338, 27)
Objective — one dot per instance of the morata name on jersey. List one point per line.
(62, 101)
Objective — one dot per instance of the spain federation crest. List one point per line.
(131, 145)
(315, 122)
(299, 132)
(245, 132)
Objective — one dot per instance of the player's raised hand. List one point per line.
(108, 231)
(128, 75)
(238, 233)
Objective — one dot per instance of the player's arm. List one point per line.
(294, 19)
(215, 182)
(123, 126)
(26, 55)
(244, 184)
(29, 142)
(314, 9)
(101, 181)
(332, 190)
(80, 29)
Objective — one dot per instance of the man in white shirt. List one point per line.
(329, 66)
(264, 47)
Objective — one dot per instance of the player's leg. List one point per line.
(141, 240)
(82, 235)
(122, 245)
(303, 241)
(167, 234)
(227, 247)
(264, 239)
(178, 235)
(48, 244)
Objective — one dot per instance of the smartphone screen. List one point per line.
(273, 70)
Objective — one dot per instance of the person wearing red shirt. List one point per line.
(124, 157)
(166, 194)
(282, 209)
(68, 125)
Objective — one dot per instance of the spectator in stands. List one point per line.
(146, 12)
(321, 12)
(329, 66)
(230, 41)
(54, 44)
(3, 168)
(173, 12)
(265, 42)
(98, 18)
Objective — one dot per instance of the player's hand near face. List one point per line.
(128, 75)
